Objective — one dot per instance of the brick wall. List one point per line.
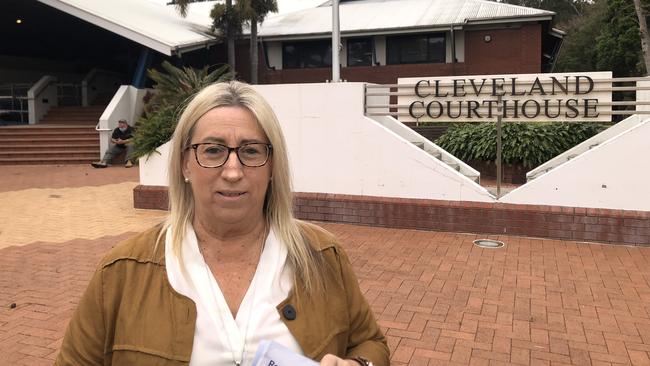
(510, 51)
(386, 74)
(571, 223)
(150, 197)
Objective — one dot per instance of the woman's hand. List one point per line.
(331, 360)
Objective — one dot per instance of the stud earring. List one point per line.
(187, 180)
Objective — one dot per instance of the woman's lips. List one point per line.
(231, 194)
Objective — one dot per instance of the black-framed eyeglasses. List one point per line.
(213, 155)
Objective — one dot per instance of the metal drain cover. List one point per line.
(489, 243)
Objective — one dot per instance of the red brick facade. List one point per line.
(510, 50)
(580, 224)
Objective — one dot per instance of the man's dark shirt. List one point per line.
(117, 134)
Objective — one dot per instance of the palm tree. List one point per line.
(225, 17)
(173, 88)
(254, 11)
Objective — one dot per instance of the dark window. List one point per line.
(306, 54)
(360, 52)
(415, 49)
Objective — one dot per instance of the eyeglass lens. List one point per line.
(215, 155)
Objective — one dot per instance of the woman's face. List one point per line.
(231, 194)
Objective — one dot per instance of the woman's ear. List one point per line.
(185, 166)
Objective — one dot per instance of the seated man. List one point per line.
(122, 140)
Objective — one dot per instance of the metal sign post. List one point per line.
(336, 42)
(499, 147)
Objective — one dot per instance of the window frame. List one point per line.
(371, 41)
(428, 58)
(299, 45)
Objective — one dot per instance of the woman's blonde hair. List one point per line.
(305, 261)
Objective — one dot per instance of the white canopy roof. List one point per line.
(153, 25)
(394, 16)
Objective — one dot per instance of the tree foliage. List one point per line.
(618, 46)
(578, 52)
(229, 19)
(255, 11)
(226, 18)
(566, 10)
(602, 35)
(607, 38)
(172, 91)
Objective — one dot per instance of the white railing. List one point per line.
(41, 97)
(612, 175)
(409, 135)
(441, 154)
(586, 145)
(13, 100)
(126, 104)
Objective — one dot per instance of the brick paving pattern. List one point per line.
(440, 300)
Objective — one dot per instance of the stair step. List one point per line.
(71, 115)
(80, 154)
(43, 161)
(70, 123)
(436, 154)
(52, 140)
(40, 126)
(418, 144)
(453, 165)
(49, 147)
(65, 135)
(21, 134)
(78, 108)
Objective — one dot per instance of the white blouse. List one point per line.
(220, 339)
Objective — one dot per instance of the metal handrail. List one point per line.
(448, 83)
(101, 129)
(16, 96)
(605, 113)
(604, 104)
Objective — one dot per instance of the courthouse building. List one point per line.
(380, 39)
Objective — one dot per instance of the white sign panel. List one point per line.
(517, 97)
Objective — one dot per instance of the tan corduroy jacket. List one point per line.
(130, 314)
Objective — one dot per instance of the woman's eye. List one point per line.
(214, 150)
(250, 151)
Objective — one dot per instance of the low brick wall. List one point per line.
(555, 222)
(151, 197)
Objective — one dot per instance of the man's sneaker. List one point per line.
(99, 164)
(128, 164)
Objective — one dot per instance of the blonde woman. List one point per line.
(231, 266)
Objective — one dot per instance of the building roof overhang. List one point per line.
(377, 17)
(155, 26)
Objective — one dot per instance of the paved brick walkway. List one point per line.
(440, 299)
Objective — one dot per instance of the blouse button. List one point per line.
(289, 312)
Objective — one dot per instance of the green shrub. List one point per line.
(172, 90)
(528, 144)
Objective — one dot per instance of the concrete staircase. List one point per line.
(66, 135)
(429, 147)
